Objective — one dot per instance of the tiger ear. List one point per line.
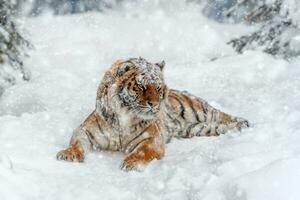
(124, 67)
(161, 65)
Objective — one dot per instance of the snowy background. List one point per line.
(70, 55)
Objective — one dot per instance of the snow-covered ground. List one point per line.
(71, 54)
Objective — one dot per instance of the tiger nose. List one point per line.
(153, 105)
(150, 104)
(151, 95)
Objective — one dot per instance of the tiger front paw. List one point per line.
(132, 164)
(70, 154)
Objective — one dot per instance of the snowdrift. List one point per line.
(71, 54)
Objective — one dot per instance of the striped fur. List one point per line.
(137, 114)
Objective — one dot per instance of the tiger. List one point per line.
(137, 114)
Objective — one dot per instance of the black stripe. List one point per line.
(168, 115)
(180, 133)
(176, 121)
(120, 142)
(132, 148)
(90, 136)
(181, 106)
(216, 130)
(216, 115)
(98, 124)
(199, 132)
(168, 129)
(115, 119)
(101, 130)
(188, 131)
(212, 116)
(141, 133)
(208, 132)
(124, 82)
(121, 87)
(190, 103)
(104, 111)
(204, 105)
(205, 111)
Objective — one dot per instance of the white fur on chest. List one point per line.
(125, 120)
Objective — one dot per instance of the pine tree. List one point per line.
(277, 28)
(12, 48)
(63, 7)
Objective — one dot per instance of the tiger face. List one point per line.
(142, 88)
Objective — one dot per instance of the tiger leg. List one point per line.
(216, 123)
(79, 146)
(196, 117)
(232, 122)
(147, 150)
(81, 141)
(223, 122)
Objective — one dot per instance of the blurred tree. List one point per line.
(12, 48)
(278, 27)
(216, 9)
(228, 10)
(63, 7)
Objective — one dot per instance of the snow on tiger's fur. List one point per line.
(137, 114)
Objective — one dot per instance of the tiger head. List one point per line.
(141, 88)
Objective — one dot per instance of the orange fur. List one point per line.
(73, 153)
(151, 148)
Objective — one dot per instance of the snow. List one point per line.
(70, 57)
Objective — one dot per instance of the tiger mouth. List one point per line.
(149, 109)
(149, 112)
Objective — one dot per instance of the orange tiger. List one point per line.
(137, 114)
